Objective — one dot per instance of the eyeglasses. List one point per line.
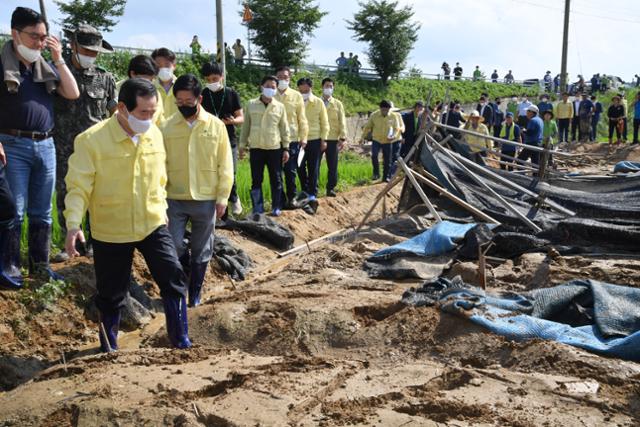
(35, 36)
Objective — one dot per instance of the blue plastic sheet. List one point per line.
(626, 167)
(504, 315)
(439, 239)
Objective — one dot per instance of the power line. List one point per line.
(578, 12)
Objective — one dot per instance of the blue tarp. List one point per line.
(626, 166)
(607, 319)
(437, 240)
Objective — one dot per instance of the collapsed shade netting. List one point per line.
(262, 228)
(607, 208)
(591, 315)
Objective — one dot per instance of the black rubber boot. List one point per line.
(39, 243)
(175, 311)
(111, 325)
(10, 275)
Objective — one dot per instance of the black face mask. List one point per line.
(188, 111)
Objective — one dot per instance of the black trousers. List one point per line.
(510, 153)
(272, 159)
(575, 127)
(613, 125)
(291, 171)
(309, 170)
(496, 130)
(7, 203)
(112, 263)
(636, 126)
(332, 164)
(563, 129)
(527, 154)
(522, 122)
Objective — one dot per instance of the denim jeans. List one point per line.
(31, 173)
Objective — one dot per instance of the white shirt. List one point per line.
(576, 107)
(522, 107)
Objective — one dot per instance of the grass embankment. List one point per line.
(358, 95)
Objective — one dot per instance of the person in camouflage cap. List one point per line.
(97, 100)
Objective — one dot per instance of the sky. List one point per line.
(522, 35)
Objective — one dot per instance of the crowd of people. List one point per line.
(137, 160)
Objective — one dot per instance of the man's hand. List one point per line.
(73, 235)
(220, 210)
(323, 146)
(241, 153)
(3, 157)
(341, 144)
(229, 121)
(285, 157)
(302, 144)
(55, 47)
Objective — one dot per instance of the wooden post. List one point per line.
(395, 181)
(473, 210)
(423, 196)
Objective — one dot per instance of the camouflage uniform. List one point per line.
(97, 98)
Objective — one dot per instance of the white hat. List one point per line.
(533, 109)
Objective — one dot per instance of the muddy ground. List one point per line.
(309, 339)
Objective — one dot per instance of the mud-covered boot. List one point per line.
(39, 244)
(10, 275)
(175, 311)
(198, 271)
(109, 326)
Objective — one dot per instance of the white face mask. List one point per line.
(139, 126)
(215, 86)
(165, 74)
(327, 91)
(306, 96)
(283, 84)
(268, 92)
(86, 61)
(29, 55)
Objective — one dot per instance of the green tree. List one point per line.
(281, 28)
(390, 32)
(98, 13)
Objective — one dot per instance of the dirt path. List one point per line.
(311, 340)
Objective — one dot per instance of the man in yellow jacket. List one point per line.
(118, 172)
(165, 60)
(477, 145)
(337, 133)
(143, 67)
(316, 114)
(298, 130)
(386, 129)
(265, 132)
(200, 176)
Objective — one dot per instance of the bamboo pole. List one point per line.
(419, 189)
(395, 181)
(474, 211)
(484, 185)
(553, 205)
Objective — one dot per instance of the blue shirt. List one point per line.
(636, 110)
(511, 133)
(30, 109)
(545, 106)
(533, 136)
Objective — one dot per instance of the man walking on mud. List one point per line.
(118, 172)
(200, 176)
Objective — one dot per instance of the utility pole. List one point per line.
(565, 48)
(220, 35)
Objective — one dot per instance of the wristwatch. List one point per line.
(59, 62)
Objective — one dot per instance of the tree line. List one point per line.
(281, 29)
